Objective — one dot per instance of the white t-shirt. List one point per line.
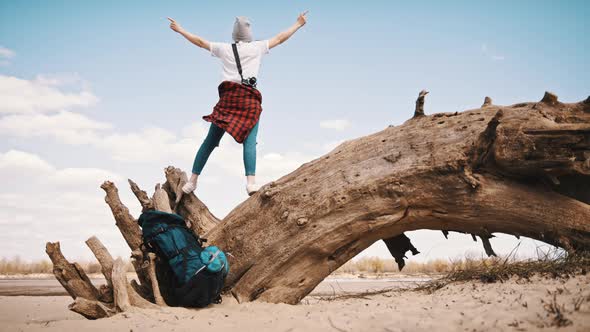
(250, 55)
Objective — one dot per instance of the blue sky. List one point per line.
(103, 84)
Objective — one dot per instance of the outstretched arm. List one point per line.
(283, 36)
(202, 43)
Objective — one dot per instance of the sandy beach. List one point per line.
(337, 305)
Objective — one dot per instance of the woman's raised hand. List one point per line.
(174, 26)
(301, 20)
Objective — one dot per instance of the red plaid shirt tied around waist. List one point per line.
(237, 110)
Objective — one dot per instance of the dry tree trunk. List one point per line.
(522, 170)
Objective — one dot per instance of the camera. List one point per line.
(251, 82)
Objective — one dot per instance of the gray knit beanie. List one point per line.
(242, 31)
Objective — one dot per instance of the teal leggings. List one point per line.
(212, 140)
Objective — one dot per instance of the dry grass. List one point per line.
(377, 265)
(552, 264)
(17, 266)
(556, 312)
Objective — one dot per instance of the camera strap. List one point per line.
(237, 57)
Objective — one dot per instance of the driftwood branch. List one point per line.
(487, 246)
(128, 227)
(123, 219)
(398, 246)
(119, 280)
(161, 200)
(106, 261)
(144, 200)
(88, 301)
(155, 286)
(103, 256)
(71, 276)
(188, 206)
(419, 111)
(91, 309)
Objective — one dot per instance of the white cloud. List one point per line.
(272, 166)
(68, 127)
(49, 204)
(9, 200)
(6, 52)
(82, 177)
(148, 144)
(273, 157)
(23, 161)
(338, 124)
(18, 221)
(23, 166)
(5, 55)
(40, 95)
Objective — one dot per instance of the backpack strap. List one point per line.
(234, 47)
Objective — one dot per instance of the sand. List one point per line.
(514, 305)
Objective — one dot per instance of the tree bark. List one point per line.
(522, 169)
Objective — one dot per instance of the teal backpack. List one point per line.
(199, 271)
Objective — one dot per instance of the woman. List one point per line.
(239, 106)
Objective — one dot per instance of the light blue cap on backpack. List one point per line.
(215, 260)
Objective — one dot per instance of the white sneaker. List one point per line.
(189, 187)
(252, 188)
